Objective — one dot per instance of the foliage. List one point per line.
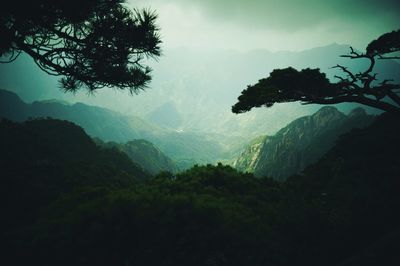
(387, 43)
(353, 191)
(92, 44)
(41, 159)
(311, 86)
(213, 215)
(200, 217)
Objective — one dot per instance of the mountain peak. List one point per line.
(357, 112)
(166, 115)
(327, 110)
(6, 95)
(326, 114)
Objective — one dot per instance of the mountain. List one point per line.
(185, 148)
(65, 201)
(342, 210)
(249, 157)
(299, 144)
(98, 122)
(166, 116)
(44, 158)
(201, 86)
(145, 154)
(196, 89)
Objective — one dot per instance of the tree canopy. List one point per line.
(310, 86)
(91, 44)
(66, 201)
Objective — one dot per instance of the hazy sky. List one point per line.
(272, 24)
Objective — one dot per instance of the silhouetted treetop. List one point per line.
(285, 85)
(386, 43)
(310, 86)
(92, 43)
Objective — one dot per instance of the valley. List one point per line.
(187, 118)
(288, 152)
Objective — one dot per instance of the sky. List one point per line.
(274, 25)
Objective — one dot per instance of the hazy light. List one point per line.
(272, 25)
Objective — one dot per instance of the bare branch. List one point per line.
(358, 99)
(395, 97)
(388, 57)
(14, 55)
(345, 69)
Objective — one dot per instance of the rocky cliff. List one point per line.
(300, 143)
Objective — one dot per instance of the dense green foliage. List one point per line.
(41, 159)
(385, 44)
(340, 207)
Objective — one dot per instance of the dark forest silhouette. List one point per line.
(65, 201)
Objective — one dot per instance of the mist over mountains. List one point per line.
(288, 152)
(185, 148)
(200, 87)
(186, 111)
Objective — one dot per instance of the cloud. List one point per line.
(293, 15)
(273, 23)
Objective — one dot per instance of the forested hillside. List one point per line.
(343, 209)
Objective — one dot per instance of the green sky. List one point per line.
(272, 24)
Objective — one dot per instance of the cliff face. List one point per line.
(249, 158)
(300, 143)
(149, 156)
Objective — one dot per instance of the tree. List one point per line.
(310, 86)
(91, 44)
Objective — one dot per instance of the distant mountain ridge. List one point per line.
(185, 148)
(201, 86)
(300, 143)
(97, 121)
